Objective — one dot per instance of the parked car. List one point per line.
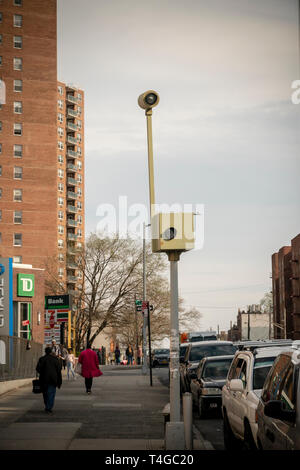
(160, 357)
(207, 382)
(278, 413)
(241, 392)
(197, 351)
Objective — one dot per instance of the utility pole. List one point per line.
(145, 365)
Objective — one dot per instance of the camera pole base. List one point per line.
(174, 436)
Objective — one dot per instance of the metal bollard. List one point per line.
(187, 403)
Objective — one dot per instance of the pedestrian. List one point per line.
(64, 353)
(99, 355)
(129, 354)
(139, 355)
(49, 371)
(89, 367)
(55, 348)
(70, 361)
(117, 354)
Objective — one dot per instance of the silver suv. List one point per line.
(240, 394)
(278, 411)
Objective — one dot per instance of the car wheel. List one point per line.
(201, 408)
(230, 441)
(249, 443)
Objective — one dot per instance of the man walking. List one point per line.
(49, 369)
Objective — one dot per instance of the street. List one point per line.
(211, 428)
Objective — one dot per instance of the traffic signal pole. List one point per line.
(145, 365)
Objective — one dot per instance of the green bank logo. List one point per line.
(26, 285)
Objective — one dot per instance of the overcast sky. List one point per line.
(226, 133)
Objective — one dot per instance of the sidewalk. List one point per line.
(123, 413)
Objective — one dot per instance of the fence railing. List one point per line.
(16, 360)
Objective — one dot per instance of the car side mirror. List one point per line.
(236, 385)
(274, 409)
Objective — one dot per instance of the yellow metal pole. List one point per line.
(150, 161)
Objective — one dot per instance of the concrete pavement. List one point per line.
(123, 413)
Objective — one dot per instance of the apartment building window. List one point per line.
(60, 243)
(79, 192)
(60, 145)
(79, 151)
(60, 187)
(60, 90)
(0, 148)
(18, 85)
(18, 107)
(1, 37)
(18, 63)
(79, 232)
(60, 272)
(60, 201)
(79, 137)
(60, 173)
(60, 131)
(79, 96)
(18, 172)
(17, 128)
(17, 3)
(0, 59)
(60, 229)
(79, 164)
(18, 21)
(1, 215)
(79, 125)
(79, 205)
(61, 257)
(60, 158)
(0, 126)
(60, 104)
(60, 215)
(17, 259)
(17, 239)
(0, 170)
(18, 195)
(0, 193)
(79, 110)
(79, 179)
(60, 118)
(17, 217)
(79, 219)
(18, 42)
(1, 16)
(18, 151)
(79, 245)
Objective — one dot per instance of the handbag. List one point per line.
(36, 386)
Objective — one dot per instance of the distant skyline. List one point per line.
(226, 133)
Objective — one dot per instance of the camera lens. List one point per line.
(151, 99)
(170, 234)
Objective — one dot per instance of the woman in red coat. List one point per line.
(89, 367)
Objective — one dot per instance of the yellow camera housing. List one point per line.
(173, 232)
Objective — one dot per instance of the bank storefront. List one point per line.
(21, 319)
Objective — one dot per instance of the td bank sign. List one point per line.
(25, 285)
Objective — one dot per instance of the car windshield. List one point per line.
(260, 371)
(194, 339)
(161, 351)
(216, 370)
(198, 352)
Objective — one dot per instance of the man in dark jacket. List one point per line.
(49, 370)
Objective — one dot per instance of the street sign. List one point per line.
(138, 305)
(57, 302)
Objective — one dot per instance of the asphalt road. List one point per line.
(211, 428)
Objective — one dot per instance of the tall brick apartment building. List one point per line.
(286, 290)
(41, 144)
